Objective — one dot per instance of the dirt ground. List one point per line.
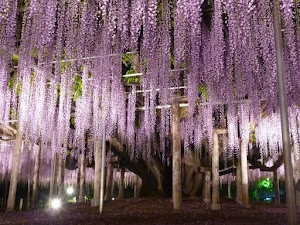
(153, 211)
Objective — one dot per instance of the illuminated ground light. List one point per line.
(268, 199)
(70, 190)
(55, 203)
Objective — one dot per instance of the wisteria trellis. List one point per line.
(231, 56)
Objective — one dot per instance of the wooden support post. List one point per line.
(244, 172)
(14, 172)
(207, 187)
(52, 191)
(136, 186)
(5, 194)
(60, 175)
(297, 179)
(121, 184)
(78, 185)
(297, 161)
(288, 169)
(62, 190)
(113, 183)
(36, 176)
(21, 204)
(28, 192)
(55, 176)
(28, 181)
(215, 174)
(103, 156)
(82, 178)
(109, 181)
(97, 154)
(238, 182)
(276, 187)
(229, 189)
(177, 186)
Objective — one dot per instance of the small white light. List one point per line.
(70, 190)
(56, 203)
(113, 199)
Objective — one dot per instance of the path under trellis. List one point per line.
(153, 211)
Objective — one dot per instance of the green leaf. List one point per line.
(32, 78)
(15, 58)
(203, 91)
(77, 87)
(73, 121)
(11, 82)
(132, 80)
(19, 89)
(253, 137)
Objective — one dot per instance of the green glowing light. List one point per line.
(265, 184)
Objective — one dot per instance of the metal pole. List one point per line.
(289, 181)
(102, 169)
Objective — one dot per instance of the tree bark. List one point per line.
(244, 168)
(14, 172)
(36, 176)
(177, 186)
(82, 178)
(150, 184)
(215, 174)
